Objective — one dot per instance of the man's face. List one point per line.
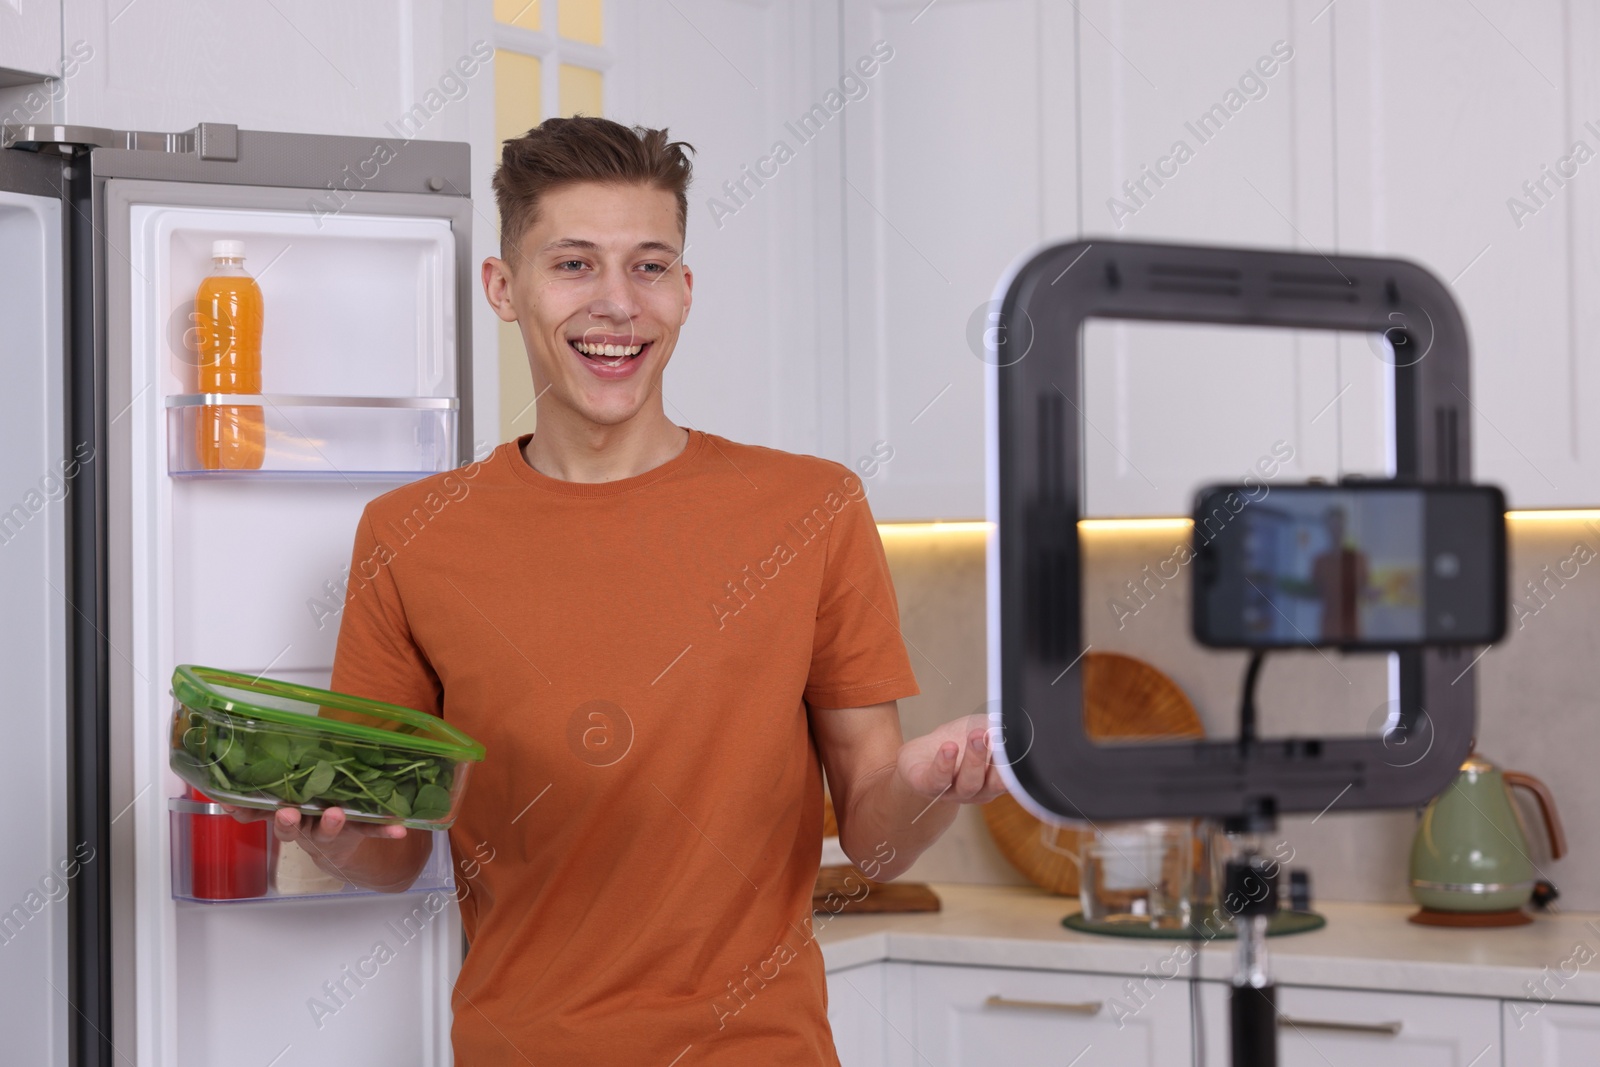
(600, 271)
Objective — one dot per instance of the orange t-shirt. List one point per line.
(636, 854)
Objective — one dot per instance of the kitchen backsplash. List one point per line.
(1536, 691)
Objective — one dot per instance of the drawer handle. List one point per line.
(1386, 1029)
(1087, 1007)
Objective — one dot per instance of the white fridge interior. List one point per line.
(245, 570)
(37, 873)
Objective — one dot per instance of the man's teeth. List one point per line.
(611, 351)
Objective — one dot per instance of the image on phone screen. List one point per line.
(1376, 566)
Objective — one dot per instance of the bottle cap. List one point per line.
(227, 249)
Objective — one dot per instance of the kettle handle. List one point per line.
(1547, 808)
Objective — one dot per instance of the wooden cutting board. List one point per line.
(1123, 699)
(845, 889)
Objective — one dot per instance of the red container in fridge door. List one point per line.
(228, 859)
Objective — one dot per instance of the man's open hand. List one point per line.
(953, 762)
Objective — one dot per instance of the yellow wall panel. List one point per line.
(580, 91)
(517, 409)
(579, 20)
(523, 13)
(516, 95)
(516, 111)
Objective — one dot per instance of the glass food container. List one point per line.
(260, 743)
(1140, 874)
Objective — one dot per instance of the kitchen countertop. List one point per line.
(1364, 946)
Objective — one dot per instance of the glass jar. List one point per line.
(1140, 873)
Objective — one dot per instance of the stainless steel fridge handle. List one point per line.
(209, 140)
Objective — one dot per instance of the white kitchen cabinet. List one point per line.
(1402, 130)
(30, 45)
(960, 159)
(1247, 90)
(841, 300)
(1209, 124)
(857, 1003)
(363, 68)
(1551, 1035)
(1443, 113)
(1354, 1028)
(1580, 389)
(1213, 125)
(980, 1016)
(760, 359)
(1169, 407)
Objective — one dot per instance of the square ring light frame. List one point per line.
(1035, 499)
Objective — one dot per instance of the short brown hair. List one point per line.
(584, 148)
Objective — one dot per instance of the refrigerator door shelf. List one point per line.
(202, 833)
(317, 436)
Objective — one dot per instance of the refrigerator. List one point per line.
(120, 557)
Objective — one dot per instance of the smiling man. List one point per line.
(664, 638)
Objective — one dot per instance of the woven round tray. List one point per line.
(1123, 699)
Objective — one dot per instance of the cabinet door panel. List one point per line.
(1193, 123)
(30, 43)
(735, 79)
(1551, 1035)
(1450, 131)
(857, 1000)
(1212, 125)
(358, 69)
(1582, 385)
(980, 1016)
(1169, 407)
(958, 161)
(1345, 1028)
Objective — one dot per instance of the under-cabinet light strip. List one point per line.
(926, 528)
(1151, 525)
(1556, 515)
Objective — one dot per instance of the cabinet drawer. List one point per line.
(857, 1000)
(982, 1016)
(1551, 1035)
(1349, 1028)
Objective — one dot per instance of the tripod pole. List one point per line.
(1252, 895)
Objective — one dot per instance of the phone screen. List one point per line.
(1362, 566)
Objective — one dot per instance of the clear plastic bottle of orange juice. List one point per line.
(228, 317)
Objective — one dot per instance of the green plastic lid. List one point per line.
(287, 704)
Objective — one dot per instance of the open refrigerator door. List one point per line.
(360, 248)
(41, 866)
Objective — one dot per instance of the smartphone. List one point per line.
(1378, 565)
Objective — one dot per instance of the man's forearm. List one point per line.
(894, 798)
(889, 824)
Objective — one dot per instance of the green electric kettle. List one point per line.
(1469, 861)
